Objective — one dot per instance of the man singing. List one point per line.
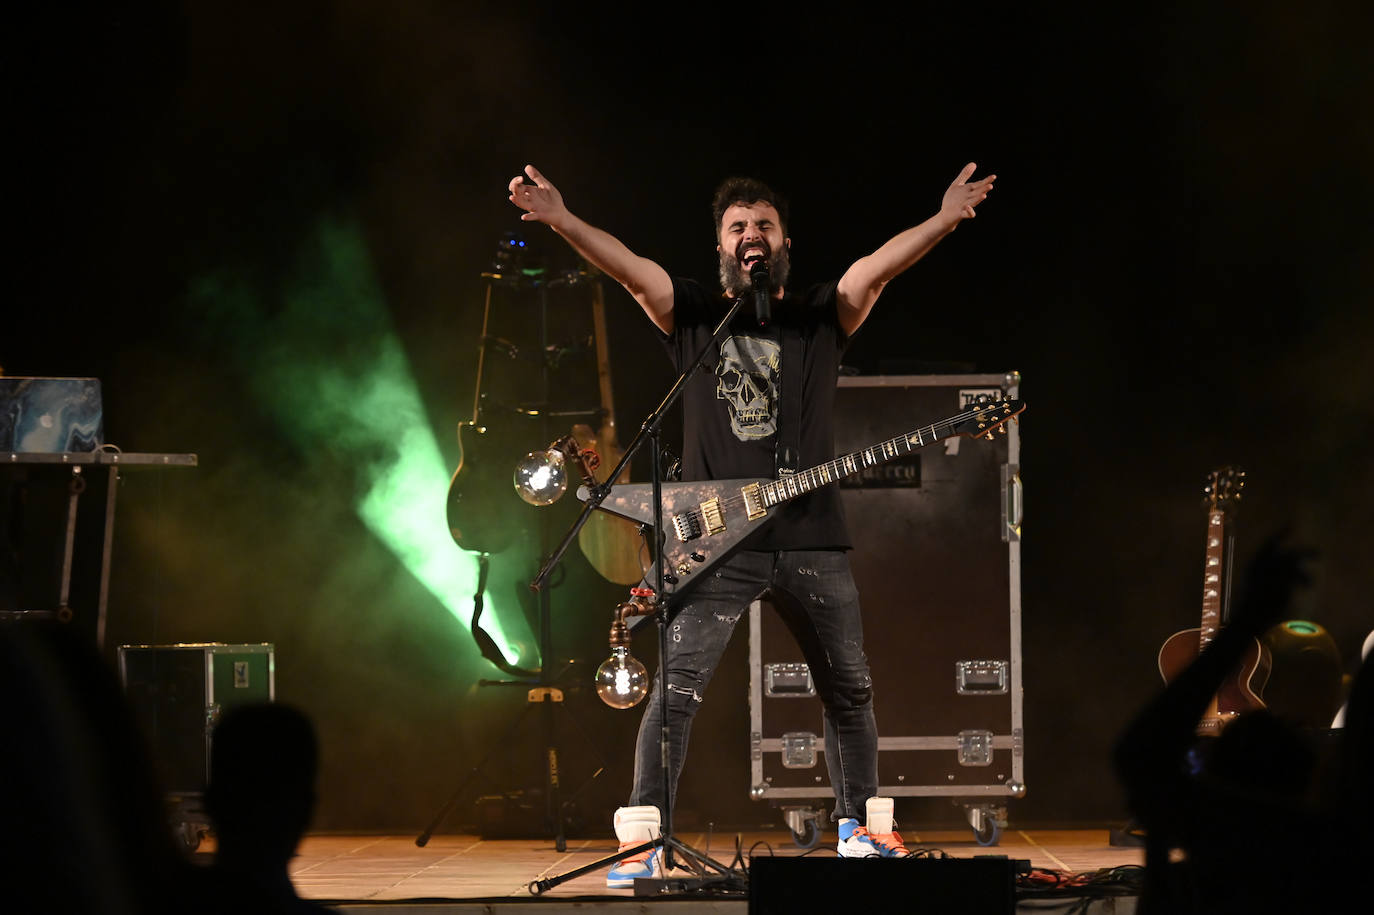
(764, 408)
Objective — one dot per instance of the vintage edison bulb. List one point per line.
(621, 681)
(540, 477)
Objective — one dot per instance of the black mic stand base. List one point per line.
(709, 876)
(703, 866)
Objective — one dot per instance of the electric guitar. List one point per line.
(706, 521)
(479, 494)
(1240, 692)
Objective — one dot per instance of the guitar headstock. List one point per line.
(983, 419)
(1223, 488)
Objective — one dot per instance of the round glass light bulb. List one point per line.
(540, 477)
(621, 681)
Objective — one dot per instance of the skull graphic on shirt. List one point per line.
(747, 380)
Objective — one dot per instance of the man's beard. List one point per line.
(734, 278)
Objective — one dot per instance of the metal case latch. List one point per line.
(798, 750)
(788, 681)
(981, 678)
(975, 748)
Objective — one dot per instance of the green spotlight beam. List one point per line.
(404, 505)
(327, 365)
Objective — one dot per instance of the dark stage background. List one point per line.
(222, 204)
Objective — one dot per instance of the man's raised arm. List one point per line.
(865, 279)
(642, 278)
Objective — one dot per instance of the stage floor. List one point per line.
(358, 872)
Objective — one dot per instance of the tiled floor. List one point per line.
(351, 868)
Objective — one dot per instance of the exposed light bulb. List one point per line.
(621, 681)
(540, 478)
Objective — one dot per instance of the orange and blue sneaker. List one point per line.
(857, 842)
(645, 864)
(635, 826)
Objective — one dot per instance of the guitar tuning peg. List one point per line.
(989, 436)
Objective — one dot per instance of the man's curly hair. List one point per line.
(745, 191)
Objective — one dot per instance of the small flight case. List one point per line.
(936, 558)
(178, 693)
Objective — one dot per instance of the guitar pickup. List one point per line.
(686, 526)
(710, 513)
(753, 501)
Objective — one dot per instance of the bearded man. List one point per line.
(766, 409)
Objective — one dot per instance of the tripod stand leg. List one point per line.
(554, 795)
(538, 887)
(423, 838)
(699, 862)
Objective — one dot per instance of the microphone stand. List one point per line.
(649, 431)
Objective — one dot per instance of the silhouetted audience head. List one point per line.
(261, 795)
(1351, 785)
(1263, 753)
(1213, 833)
(80, 804)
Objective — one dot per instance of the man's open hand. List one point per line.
(962, 197)
(540, 200)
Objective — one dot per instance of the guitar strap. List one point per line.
(485, 643)
(787, 452)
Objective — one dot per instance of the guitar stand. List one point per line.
(726, 877)
(542, 687)
(547, 697)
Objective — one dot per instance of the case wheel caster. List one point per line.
(989, 834)
(986, 822)
(803, 823)
(809, 838)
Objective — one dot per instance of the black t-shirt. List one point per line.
(731, 409)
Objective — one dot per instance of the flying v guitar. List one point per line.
(706, 521)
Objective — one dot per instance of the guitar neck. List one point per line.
(603, 358)
(799, 484)
(1212, 576)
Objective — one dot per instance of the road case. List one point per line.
(178, 693)
(937, 537)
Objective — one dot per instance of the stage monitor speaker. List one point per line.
(787, 886)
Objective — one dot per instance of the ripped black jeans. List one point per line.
(813, 591)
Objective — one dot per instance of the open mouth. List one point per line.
(751, 254)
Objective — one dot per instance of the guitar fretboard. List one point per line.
(1211, 577)
(804, 481)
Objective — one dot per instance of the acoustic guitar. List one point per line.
(1240, 692)
(612, 545)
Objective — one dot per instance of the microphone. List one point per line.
(758, 276)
